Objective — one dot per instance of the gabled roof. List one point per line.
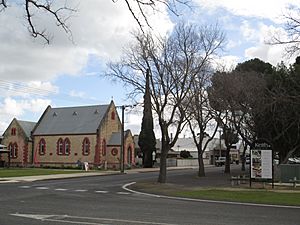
(115, 139)
(27, 126)
(71, 120)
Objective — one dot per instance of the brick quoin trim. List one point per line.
(25, 154)
(97, 151)
(104, 147)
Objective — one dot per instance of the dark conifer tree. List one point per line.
(147, 140)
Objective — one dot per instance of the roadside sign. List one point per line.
(261, 164)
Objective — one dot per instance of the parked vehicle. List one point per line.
(220, 161)
(294, 160)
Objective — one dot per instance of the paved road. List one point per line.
(101, 200)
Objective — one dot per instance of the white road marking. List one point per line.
(123, 193)
(25, 187)
(61, 189)
(81, 190)
(84, 220)
(125, 187)
(102, 192)
(42, 188)
(8, 181)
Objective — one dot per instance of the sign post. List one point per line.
(261, 165)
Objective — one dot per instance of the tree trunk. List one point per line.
(243, 161)
(243, 158)
(227, 163)
(162, 178)
(147, 159)
(201, 171)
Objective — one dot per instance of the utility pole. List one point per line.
(122, 141)
(122, 153)
(220, 150)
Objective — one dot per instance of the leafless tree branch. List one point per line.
(3, 5)
(292, 28)
(59, 17)
(143, 5)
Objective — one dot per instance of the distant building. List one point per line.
(218, 149)
(214, 149)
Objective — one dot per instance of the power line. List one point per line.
(22, 88)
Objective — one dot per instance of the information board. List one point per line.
(261, 164)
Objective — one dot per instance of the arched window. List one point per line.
(42, 147)
(13, 148)
(86, 146)
(13, 131)
(10, 146)
(129, 155)
(104, 147)
(67, 146)
(60, 147)
(113, 115)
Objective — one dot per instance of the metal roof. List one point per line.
(27, 126)
(71, 120)
(115, 139)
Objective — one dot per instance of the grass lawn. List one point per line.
(252, 196)
(20, 172)
(262, 196)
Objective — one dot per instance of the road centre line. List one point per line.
(76, 190)
(123, 193)
(42, 188)
(61, 189)
(25, 187)
(80, 190)
(103, 192)
(125, 187)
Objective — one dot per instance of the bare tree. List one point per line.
(199, 113)
(292, 28)
(173, 63)
(223, 98)
(200, 117)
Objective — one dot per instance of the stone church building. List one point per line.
(17, 139)
(70, 135)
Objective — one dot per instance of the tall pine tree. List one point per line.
(147, 140)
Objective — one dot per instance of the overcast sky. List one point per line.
(65, 73)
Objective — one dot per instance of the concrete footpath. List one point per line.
(81, 174)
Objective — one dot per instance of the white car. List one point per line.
(294, 160)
